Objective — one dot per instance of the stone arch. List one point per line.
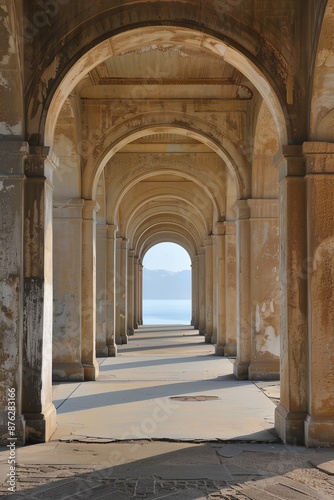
(170, 222)
(154, 123)
(322, 104)
(43, 112)
(168, 202)
(198, 201)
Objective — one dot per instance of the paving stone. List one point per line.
(214, 472)
(145, 485)
(285, 492)
(327, 467)
(107, 493)
(256, 494)
(233, 450)
(56, 491)
(236, 470)
(191, 494)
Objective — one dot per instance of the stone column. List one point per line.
(214, 290)
(121, 291)
(319, 425)
(291, 412)
(110, 296)
(136, 289)
(12, 156)
(230, 348)
(265, 292)
(208, 290)
(131, 291)
(195, 286)
(101, 289)
(201, 295)
(140, 293)
(39, 412)
(219, 271)
(67, 245)
(243, 360)
(88, 328)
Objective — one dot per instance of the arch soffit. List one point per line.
(171, 235)
(41, 122)
(135, 202)
(164, 220)
(194, 176)
(197, 129)
(167, 213)
(174, 226)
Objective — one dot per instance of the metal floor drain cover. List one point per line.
(194, 398)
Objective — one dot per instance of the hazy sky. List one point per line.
(167, 256)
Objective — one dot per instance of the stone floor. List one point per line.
(123, 437)
(132, 398)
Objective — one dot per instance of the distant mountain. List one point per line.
(166, 285)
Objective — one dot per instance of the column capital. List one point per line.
(67, 209)
(90, 207)
(121, 242)
(290, 161)
(208, 241)
(131, 253)
(111, 231)
(40, 162)
(101, 230)
(242, 209)
(230, 227)
(264, 208)
(319, 157)
(220, 228)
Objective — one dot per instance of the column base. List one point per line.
(220, 350)
(20, 429)
(124, 339)
(91, 371)
(269, 370)
(131, 331)
(101, 351)
(214, 338)
(208, 338)
(62, 372)
(112, 351)
(40, 426)
(230, 349)
(240, 370)
(319, 432)
(290, 426)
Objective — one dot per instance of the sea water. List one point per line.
(166, 312)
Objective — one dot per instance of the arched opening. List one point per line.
(167, 283)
